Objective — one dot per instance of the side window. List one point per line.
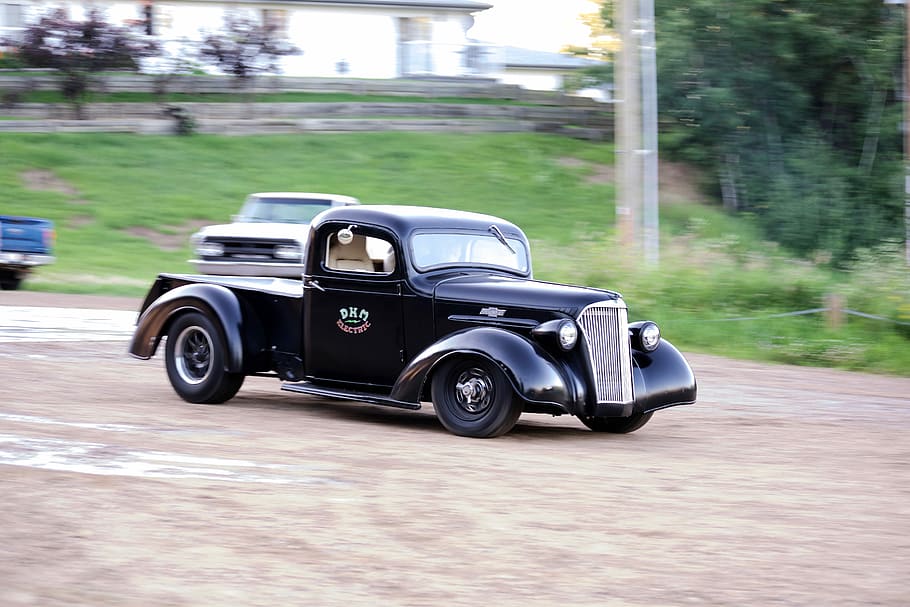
(350, 252)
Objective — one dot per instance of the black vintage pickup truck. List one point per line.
(402, 305)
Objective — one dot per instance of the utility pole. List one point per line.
(628, 133)
(636, 132)
(648, 55)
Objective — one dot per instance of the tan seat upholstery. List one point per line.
(352, 256)
(388, 263)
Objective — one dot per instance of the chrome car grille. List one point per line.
(250, 250)
(605, 326)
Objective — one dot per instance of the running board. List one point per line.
(306, 387)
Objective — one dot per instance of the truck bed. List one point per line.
(285, 287)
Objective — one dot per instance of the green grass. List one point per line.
(703, 284)
(713, 266)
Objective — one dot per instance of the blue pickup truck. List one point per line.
(25, 242)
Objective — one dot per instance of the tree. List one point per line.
(246, 47)
(79, 48)
(604, 43)
(794, 106)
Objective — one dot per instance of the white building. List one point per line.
(539, 70)
(355, 39)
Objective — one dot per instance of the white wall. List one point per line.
(536, 80)
(367, 43)
(366, 39)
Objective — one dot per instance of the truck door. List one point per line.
(353, 325)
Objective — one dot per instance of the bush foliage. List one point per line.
(79, 48)
(794, 109)
(245, 48)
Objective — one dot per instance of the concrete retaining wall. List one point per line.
(454, 87)
(580, 118)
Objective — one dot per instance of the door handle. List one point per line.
(311, 282)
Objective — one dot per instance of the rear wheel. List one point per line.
(195, 361)
(9, 281)
(473, 397)
(616, 425)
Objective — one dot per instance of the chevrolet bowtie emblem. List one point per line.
(492, 312)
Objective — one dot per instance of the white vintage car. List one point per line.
(267, 238)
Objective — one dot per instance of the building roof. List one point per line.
(470, 5)
(528, 58)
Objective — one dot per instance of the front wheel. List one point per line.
(616, 425)
(473, 397)
(195, 361)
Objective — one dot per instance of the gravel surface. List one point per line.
(782, 486)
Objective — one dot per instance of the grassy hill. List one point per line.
(125, 206)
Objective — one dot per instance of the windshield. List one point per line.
(282, 210)
(441, 249)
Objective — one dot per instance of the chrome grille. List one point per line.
(248, 249)
(605, 326)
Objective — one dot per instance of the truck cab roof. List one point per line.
(403, 219)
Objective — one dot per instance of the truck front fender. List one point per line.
(215, 301)
(536, 377)
(663, 378)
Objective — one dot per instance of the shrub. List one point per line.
(79, 48)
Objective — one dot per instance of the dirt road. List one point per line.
(782, 486)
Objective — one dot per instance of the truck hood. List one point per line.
(515, 297)
(293, 231)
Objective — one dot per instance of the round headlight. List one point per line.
(287, 252)
(650, 336)
(568, 335)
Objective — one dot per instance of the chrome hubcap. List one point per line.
(474, 391)
(193, 355)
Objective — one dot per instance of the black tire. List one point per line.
(195, 361)
(616, 425)
(9, 281)
(473, 397)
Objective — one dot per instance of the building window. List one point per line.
(12, 15)
(416, 29)
(275, 20)
(12, 21)
(415, 54)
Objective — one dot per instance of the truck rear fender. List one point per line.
(215, 301)
(536, 377)
(663, 378)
